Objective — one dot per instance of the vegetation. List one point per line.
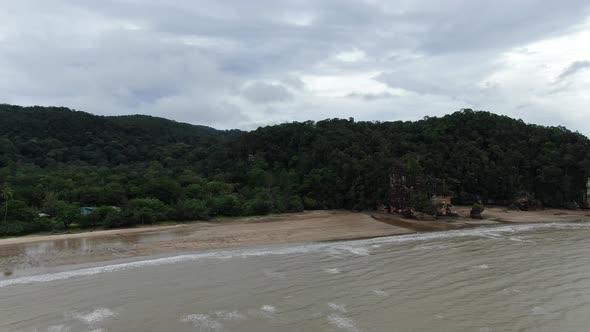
(477, 210)
(55, 160)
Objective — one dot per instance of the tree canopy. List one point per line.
(57, 159)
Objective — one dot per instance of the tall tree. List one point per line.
(6, 193)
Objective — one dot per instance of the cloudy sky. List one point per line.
(241, 64)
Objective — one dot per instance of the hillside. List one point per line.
(54, 160)
(48, 135)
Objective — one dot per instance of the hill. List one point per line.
(54, 160)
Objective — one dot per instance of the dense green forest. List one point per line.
(53, 161)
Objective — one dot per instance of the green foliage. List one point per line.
(256, 206)
(98, 217)
(20, 211)
(311, 204)
(294, 204)
(422, 203)
(227, 205)
(69, 214)
(147, 211)
(192, 209)
(55, 159)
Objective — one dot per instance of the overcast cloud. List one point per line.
(241, 64)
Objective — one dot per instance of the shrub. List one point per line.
(15, 228)
(147, 210)
(310, 203)
(19, 211)
(69, 214)
(294, 204)
(192, 209)
(98, 217)
(227, 205)
(257, 207)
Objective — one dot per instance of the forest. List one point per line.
(138, 169)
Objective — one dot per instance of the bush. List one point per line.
(310, 203)
(294, 204)
(192, 209)
(254, 207)
(227, 205)
(147, 211)
(98, 217)
(19, 211)
(15, 228)
(69, 214)
(114, 219)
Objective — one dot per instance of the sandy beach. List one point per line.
(313, 226)
(64, 249)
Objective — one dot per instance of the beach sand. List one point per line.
(66, 249)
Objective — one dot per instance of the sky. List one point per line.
(244, 64)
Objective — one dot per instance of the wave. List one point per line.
(357, 247)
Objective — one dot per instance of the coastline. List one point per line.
(43, 251)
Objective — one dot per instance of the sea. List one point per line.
(529, 277)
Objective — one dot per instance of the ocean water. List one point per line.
(507, 278)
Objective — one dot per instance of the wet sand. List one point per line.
(32, 252)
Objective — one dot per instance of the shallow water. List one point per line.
(508, 278)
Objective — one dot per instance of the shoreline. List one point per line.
(36, 252)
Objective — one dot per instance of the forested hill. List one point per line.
(46, 135)
(53, 160)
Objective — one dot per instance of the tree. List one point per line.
(69, 214)
(6, 193)
(147, 210)
(52, 205)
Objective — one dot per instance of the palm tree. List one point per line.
(6, 194)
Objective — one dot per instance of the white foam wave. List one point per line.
(58, 328)
(359, 247)
(268, 309)
(226, 254)
(380, 292)
(332, 270)
(343, 323)
(341, 250)
(202, 321)
(337, 307)
(230, 315)
(91, 318)
(431, 246)
(519, 239)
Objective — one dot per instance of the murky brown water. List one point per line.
(508, 278)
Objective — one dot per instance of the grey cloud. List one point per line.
(196, 61)
(294, 82)
(574, 68)
(459, 26)
(261, 92)
(371, 96)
